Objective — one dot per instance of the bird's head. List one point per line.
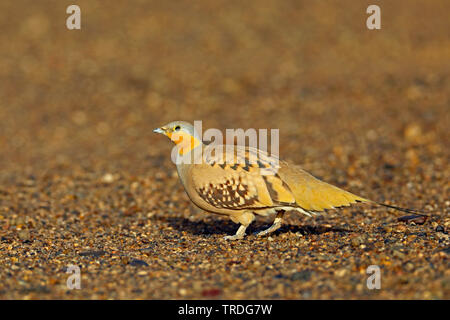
(182, 133)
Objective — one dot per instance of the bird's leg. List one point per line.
(275, 226)
(240, 233)
(244, 218)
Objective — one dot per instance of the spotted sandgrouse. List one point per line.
(246, 181)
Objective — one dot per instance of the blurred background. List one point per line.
(365, 109)
(311, 69)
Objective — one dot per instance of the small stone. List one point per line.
(92, 253)
(415, 218)
(303, 275)
(24, 235)
(400, 228)
(409, 266)
(413, 132)
(398, 254)
(341, 272)
(108, 178)
(134, 185)
(211, 292)
(182, 292)
(138, 263)
(442, 236)
(357, 241)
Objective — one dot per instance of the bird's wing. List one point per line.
(312, 194)
(242, 178)
(247, 178)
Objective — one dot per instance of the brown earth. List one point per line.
(84, 181)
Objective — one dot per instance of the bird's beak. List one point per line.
(159, 130)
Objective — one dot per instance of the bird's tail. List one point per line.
(399, 208)
(407, 210)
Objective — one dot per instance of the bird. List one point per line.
(242, 181)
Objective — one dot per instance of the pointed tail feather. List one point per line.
(400, 209)
(407, 210)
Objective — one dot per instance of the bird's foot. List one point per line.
(235, 237)
(271, 229)
(239, 234)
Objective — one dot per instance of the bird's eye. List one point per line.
(177, 128)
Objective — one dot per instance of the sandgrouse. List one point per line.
(242, 181)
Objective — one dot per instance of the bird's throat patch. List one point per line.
(184, 141)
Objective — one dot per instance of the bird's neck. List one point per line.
(188, 154)
(186, 160)
(185, 143)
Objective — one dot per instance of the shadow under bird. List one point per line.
(242, 181)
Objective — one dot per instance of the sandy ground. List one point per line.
(85, 182)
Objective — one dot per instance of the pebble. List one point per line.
(341, 272)
(211, 292)
(357, 241)
(304, 275)
(398, 254)
(93, 253)
(415, 218)
(108, 178)
(409, 266)
(138, 263)
(182, 292)
(24, 235)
